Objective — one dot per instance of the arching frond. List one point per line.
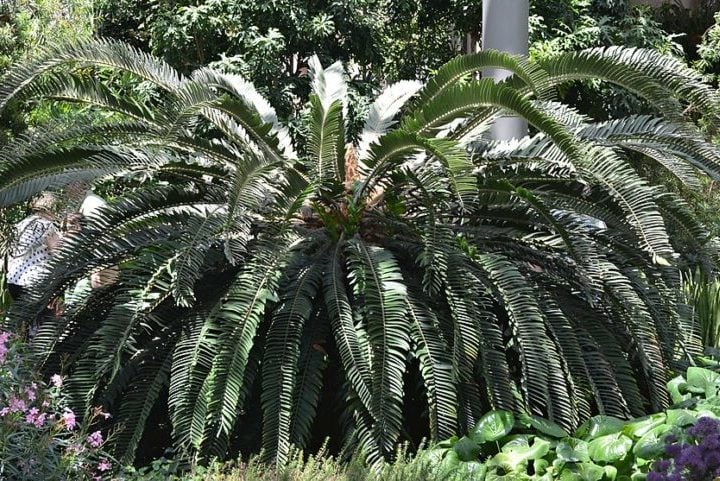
(536, 275)
(383, 112)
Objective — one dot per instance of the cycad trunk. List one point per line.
(505, 28)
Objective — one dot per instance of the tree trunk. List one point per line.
(505, 27)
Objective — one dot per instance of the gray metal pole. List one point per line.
(505, 27)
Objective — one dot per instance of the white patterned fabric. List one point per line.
(30, 254)
(91, 204)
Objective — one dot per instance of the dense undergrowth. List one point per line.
(39, 439)
(40, 436)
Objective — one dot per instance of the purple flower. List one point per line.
(654, 476)
(704, 427)
(35, 418)
(697, 459)
(95, 439)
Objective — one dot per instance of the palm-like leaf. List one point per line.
(535, 275)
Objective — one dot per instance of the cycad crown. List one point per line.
(538, 275)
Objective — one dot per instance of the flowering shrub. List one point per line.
(694, 457)
(40, 438)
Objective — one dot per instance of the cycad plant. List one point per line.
(535, 275)
(703, 294)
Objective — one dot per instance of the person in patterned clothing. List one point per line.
(36, 236)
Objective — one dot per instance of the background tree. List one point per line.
(26, 26)
(386, 40)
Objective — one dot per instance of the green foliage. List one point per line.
(383, 41)
(28, 25)
(300, 467)
(578, 24)
(709, 58)
(572, 25)
(704, 297)
(418, 266)
(269, 43)
(603, 448)
(523, 448)
(39, 438)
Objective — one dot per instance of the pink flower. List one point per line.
(32, 415)
(104, 465)
(40, 421)
(17, 404)
(68, 418)
(4, 337)
(95, 440)
(57, 380)
(4, 411)
(35, 418)
(31, 391)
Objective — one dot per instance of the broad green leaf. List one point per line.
(676, 387)
(707, 409)
(495, 476)
(492, 426)
(473, 470)
(434, 456)
(526, 448)
(509, 462)
(700, 380)
(582, 472)
(681, 417)
(541, 466)
(609, 448)
(598, 426)
(637, 428)
(651, 445)
(610, 473)
(448, 443)
(572, 450)
(467, 449)
(542, 425)
(450, 462)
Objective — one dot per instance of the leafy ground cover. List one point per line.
(679, 444)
